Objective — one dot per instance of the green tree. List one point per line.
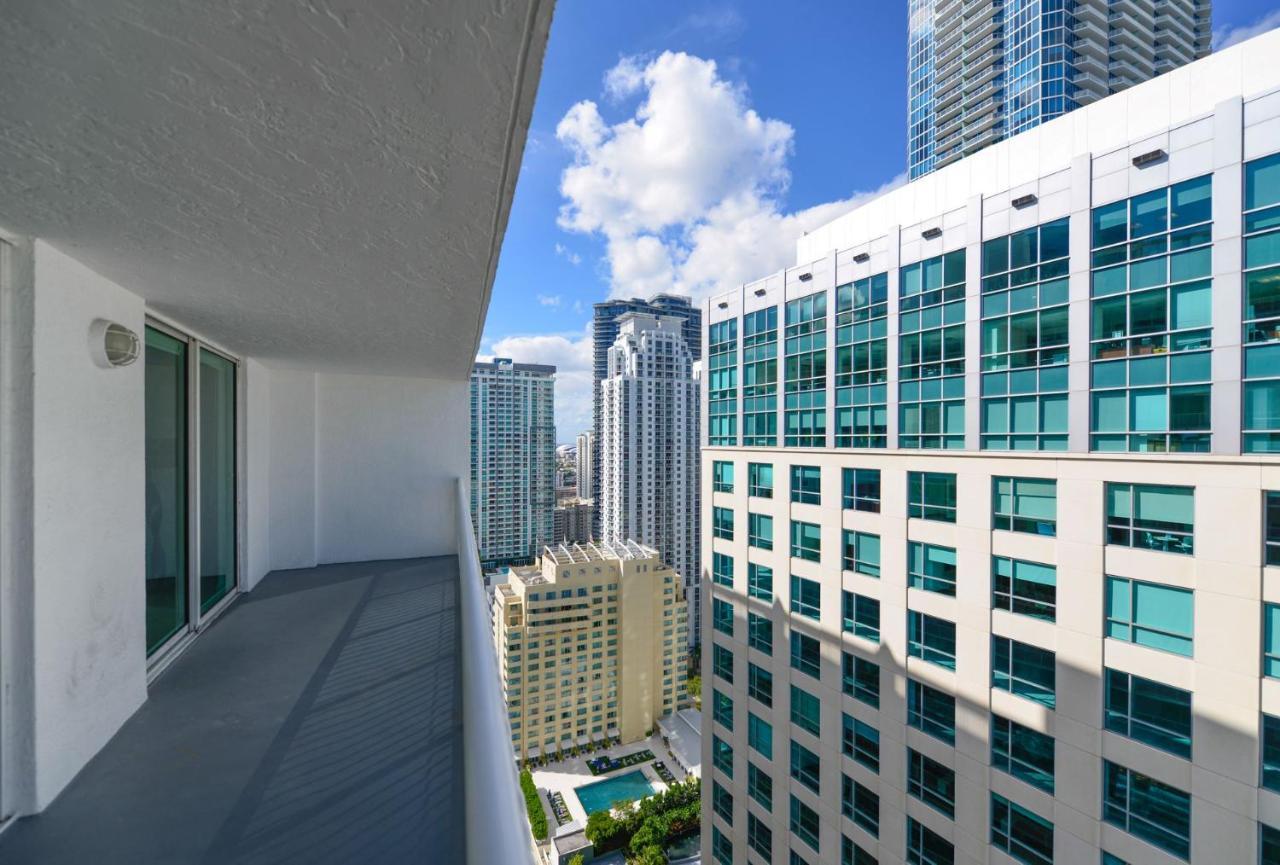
(576, 859)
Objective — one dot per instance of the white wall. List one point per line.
(291, 458)
(88, 523)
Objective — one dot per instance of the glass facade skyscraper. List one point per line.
(982, 70)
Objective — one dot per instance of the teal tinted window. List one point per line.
(1149, 711)
(1149, 614)
(722, 755)
(722, 384)
(805, 654)
(722, 709)
(804, 823)
(931, 353)
(1022, 834)
(1268, 845)
(722, 476)
(759, 582)
(1025, 505)
(722, 569)
(931, 782)
(760, 633)
(861, 615)
(805, 413)
(759, 835)
(1024, 753)
(721, 847)
(1025, 588)
(806, 711)
(1261, 433)
(722, 616)
(760, 531)
(760, 736)
(852, 854)
(860, 741)
(861, 553)
(1151, 517)
(806, 541)
(931, 568)
(722, 523)
(760, 685)
(722, 802)
(806, 597)
(1271, 752)
(1024, 670)
(760, 378)
(931, 639)
(932, 711)
(931, 496)
(926, 847)
(860, 679)
(1153, 811)
(806, 485)
(760, 786)
(862, 359)
(760, 480)
(1271, 640)
(805, 767)
(1271, 527)
(861, 489)
(860, 804)
(722, 663)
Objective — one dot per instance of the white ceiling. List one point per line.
(321, 184)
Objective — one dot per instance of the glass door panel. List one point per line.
(217, 384)
(166, 494)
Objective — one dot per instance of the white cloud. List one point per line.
(570, 354)
(686, 192)
(549, 300)
(723, 23)
(568, 254)
(1225, 37)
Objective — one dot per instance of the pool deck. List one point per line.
(567, 775)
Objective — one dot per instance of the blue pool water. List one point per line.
(601, 795)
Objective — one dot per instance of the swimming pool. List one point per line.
(601, 795)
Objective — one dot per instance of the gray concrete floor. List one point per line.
(317, 721)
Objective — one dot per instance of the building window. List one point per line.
(722, 663)
(931, 639)
(806, 541)
(931, 782)
(722, 709)
(806, 485)
(806, 711)
(805, 655)
(862, 361)
(722, 523)
(1271, 752)
(805, 767)
(861, 615)
(760, 786)
(1268, 845)
(1151, 517)
(1144, 807)
(760, 531)
(721, 847)
(931, 325)
(1148, 614)
(722, 385)
(760, 633)
(1024, 753)
(932, 711)
(760, 480)
(805, 414)
(1025, 836)
(760, 378)
(1024, 339)
(759, 836)
(1152, 316)
(1023, 670)
(926, 847)
(760, 684)
(860, 804)
(1025, 588)
(722, 569)
(806, 597)
(860, 679)
(722, 616)
(760, 736)
(1025, 505)
(722, 802)
(759, 581)
(861, 553)
(804, 823)
(852, 854)
(1272, 528)
(722, 756)
(931, 496)
(931, 568)
(722, 476)
(861, 741)
(1150, 712)
(860, 490)
(1261, 397)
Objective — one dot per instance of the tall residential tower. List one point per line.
(586, 464)
(649, 446)
(513, 459)
(980, 72)
(1055, 364)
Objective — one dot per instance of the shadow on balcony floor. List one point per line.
(317, 721)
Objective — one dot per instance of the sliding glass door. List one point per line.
(191, 539)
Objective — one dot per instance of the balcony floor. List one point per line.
(317, 721)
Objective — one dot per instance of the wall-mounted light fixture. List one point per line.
(1024, 201)
(724, 304)
(112, 345)
(760, 292)
(862, 256)
(805, 277)
(931, 233)
(1149, 158)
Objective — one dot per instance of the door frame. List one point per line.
(164, 655)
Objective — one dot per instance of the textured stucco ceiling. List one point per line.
(320, 184)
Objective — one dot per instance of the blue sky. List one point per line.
(683, 146)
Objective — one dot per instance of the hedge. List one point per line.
(537, 817)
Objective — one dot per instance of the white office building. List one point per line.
(585, 454)
(995, 559)
(649, 450)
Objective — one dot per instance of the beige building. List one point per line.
(591, 644)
